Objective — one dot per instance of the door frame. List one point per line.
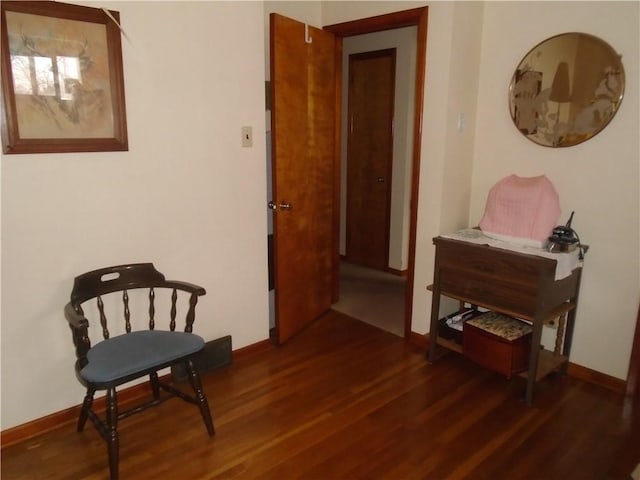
(633, 377)
(408, 18)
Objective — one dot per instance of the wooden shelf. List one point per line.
(547, 362)
(449, 344)
(550, 315)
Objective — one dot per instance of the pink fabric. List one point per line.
(522, 207)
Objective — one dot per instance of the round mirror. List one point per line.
(566, 89)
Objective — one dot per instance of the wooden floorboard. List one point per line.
(344, 400)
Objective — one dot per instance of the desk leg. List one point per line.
(562, 323)
(536, 336)
(433, 329)
(571, 320)
(568, 336)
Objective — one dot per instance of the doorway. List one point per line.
(370, 110)
(404, 261)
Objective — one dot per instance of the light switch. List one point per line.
(247, 137)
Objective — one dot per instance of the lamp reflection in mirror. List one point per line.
(566, 89)
(560, 93)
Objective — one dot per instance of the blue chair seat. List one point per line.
(131, 353)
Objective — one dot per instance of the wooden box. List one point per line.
(498, 342)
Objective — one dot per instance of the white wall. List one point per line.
(186, 196)
(336, 11)
(598, 179)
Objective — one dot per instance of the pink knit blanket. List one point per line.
(523, 208)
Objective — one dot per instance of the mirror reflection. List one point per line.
(566, 89)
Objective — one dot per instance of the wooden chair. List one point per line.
(135, 352)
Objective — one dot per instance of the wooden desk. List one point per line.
(512, 283)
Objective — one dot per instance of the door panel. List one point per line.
(303, 127)
(369, 157)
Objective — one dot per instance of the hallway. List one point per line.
(372, 296)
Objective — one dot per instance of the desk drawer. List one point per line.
(479, 291)
(495, 264)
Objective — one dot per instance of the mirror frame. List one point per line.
(547, 104)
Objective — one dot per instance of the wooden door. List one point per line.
(303, 92)
(369, 157)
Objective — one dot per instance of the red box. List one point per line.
(497, 342)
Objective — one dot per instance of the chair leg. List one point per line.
(194, 379)
(86, 406)
(112, 433)
(155, 387)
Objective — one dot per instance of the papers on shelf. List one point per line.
(565, 262)
(456, 321)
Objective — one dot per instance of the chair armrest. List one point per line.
(186, 286)
(79, 331)
(76, 320)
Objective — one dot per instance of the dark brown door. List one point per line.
(369, 157)
(303, 154)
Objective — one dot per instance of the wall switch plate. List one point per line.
(247, 137)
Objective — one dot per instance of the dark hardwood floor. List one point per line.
(345, 400)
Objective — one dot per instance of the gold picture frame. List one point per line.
(62, 79)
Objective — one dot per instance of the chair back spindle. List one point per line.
(127, 313)
(174, 299)
(191, 314)
(152, 308)
(103, 318)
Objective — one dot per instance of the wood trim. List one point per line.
(390, 21)
(398, 273)
(414, 17)
(11, 436)
(337, 169)
(419, 340)
(421, 55)
(633, 377)
(597, 378)
(253, 349)
(127, 397)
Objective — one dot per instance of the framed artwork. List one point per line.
(62, 79)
